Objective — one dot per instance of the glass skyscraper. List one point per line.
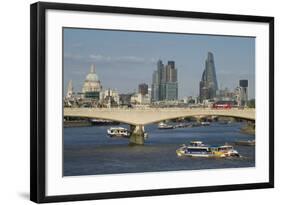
(165, 82)
(208, 85)
(244, 91)
(143, 89)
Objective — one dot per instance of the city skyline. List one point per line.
(125, 59)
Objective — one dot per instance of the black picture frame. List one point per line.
(38, 101)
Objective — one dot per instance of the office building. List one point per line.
(164, 82)
(208, 85)
(143, 89)
(243, 84)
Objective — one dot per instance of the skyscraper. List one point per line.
(164, 82)
(208, 84)
(244, 91)
(143, 88)
(155, 86)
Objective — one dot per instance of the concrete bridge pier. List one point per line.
(137, 135)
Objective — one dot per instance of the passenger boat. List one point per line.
(205, 123)
(182, 125)
(198, 149)
(118, 132)
(163, 125)
(224, 151)
(194, 149)
(121, 132)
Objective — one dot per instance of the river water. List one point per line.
(89, 151)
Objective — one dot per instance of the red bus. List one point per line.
(223, 105)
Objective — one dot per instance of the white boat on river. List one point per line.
(198, 149)
(163, 125)
(118, 132)
(121, 132)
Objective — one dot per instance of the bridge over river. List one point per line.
(138, 117)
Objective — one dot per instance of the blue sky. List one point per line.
(125, 59)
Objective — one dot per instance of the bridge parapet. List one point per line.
(145, 116)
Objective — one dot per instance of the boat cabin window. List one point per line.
(195, 144)
(198, 150)
(224, 148)
(214, 148)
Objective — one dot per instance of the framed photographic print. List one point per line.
(129, 102)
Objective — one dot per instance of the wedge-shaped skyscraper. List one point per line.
(208, 84)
